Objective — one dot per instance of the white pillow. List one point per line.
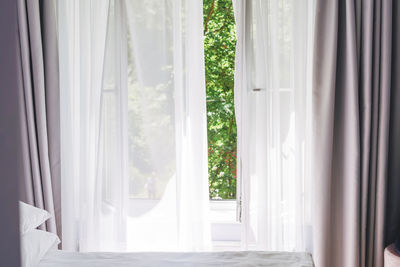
(34, 245)
(31, 217)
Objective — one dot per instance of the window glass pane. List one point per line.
(219, 50)
(150, 99)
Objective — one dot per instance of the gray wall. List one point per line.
(9, 135)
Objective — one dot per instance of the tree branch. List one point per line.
(209, 16)
(226, 20)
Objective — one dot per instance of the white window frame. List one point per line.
(225, 226)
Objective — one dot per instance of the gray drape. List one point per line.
(356, 101)
(39, 95)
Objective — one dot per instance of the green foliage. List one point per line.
(219, 48)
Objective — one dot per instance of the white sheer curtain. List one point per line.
(82, 38)
(134, 144)
(272, 98)
(168, 153)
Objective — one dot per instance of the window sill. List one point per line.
(225, 229)
(224, 225)
(223, 211)
(226, 246)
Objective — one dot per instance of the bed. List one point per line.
(58, 258)
(39, 249)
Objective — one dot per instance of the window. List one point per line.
(149, 121)
(219, 50)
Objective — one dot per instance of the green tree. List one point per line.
(219, 48)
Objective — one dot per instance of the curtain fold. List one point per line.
(133, 121)
(89, 223)
(392, 213)
(40, 108)
(355, 58)
(273, 107)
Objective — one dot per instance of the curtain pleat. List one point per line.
(133, 120)
(273, 107)
(89, 223)
(354, 57)
(40, 184)
(392, 208)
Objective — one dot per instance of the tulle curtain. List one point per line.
(168, 151)
(272, 98)
(134, 144)
(82, 38)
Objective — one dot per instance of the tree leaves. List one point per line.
(219, 47)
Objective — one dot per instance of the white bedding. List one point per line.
(233, 259)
